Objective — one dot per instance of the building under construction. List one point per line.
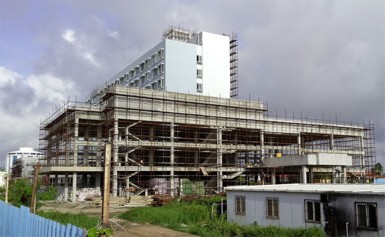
(181, 144)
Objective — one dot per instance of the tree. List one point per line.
(378, 169)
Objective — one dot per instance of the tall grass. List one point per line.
(173, 215)
(80, 220)
(195, 217)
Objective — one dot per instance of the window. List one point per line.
(155, 72)
(366, 215)
(199, 59)
(199, 88)
(240, 204)
(272, 208)
(160, 54)
(199, 73)
(312, 211)
(161, 68)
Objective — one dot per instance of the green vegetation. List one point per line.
(20, 193)
(378, 169)
(80, 220)
(195, 217)
(95, 232)
(47, 193)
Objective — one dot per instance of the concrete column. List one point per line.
(128, 188)
(299, 142)
(219, 160)
(74, 186)
(344, 174)
(196, 153)
(151, 133)
(311, 175)
(331, 142)
(115, 159)
(99, 135)
(303, 174)
(66, 187)
(86, 155)
(86, 148)
(196, 158)
(273, 180)
(333, 175)
(98, 181)
(172, 161)
(76, 138)
(56, 180)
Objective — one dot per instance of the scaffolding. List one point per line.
(234, 66)
(178, 33)
(182, 144)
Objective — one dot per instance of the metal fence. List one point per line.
(15, 222)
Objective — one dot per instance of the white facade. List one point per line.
(199, 65)
(23, 152)
(340, 209)
(2, 178)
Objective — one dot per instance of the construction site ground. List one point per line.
(121, 228)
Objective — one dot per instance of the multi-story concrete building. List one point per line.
(174, 129)
(174, 143)
(25, 153)
(184, 61)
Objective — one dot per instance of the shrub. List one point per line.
(47, 193)
(20, 192)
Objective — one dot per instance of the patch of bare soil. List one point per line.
(121, 228)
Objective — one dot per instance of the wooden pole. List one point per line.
(34, 190)
(7, 186)
(106, 185)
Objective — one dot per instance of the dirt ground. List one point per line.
(121, 228)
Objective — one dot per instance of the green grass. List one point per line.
(172, 215)
(80, 220)
(194, 217)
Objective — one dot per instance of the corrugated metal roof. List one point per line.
(374, 189)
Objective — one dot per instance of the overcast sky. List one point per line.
(315, 58)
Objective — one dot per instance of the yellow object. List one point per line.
(279, 155)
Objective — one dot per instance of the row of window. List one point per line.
(146, 64)
(148, 76)
(366, 213)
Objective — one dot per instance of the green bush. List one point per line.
(47, 193)
(20, 192)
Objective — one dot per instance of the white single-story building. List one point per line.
(340, 209)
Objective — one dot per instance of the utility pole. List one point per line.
(106, 185)
(34, 190)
